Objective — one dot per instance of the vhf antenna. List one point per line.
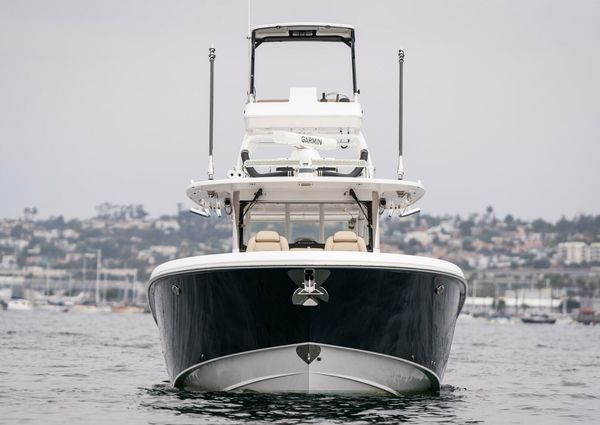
(211, 59)
(400, 93)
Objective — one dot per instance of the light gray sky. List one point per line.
(108, 100)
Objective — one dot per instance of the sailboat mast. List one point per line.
(98, 262)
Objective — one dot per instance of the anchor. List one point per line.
(310, 292)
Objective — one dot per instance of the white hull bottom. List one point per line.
(309, 368)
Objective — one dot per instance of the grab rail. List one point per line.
(324, 167)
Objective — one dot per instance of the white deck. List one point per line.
(306, 258)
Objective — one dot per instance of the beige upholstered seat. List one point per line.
(267, 240)
(345, 241)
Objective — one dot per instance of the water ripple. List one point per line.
(304, 408)
(109, 369)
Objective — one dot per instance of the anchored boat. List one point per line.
(539, 318)
(306, 301)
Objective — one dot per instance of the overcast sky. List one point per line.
(108, 100)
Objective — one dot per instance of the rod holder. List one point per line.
(400, 101)
(211, 59)
(203, 212)
(409, 212)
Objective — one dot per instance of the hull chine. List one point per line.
(309, 368)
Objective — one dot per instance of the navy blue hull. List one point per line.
(204, 315)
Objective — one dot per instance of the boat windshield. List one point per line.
(325, 66)
(306, 225)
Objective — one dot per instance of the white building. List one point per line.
(424, 238)
(574, 252)
(595, 252)
(9, 262)
(167, 225)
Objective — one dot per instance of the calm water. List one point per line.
(60, 368)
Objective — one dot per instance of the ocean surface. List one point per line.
(73, 368)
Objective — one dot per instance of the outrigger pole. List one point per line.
(211, 59)
(400, 93)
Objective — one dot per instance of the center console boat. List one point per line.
(306, 301)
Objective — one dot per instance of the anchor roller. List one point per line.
(310, 293)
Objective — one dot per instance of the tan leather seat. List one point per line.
(267, 240)
(345, 240)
